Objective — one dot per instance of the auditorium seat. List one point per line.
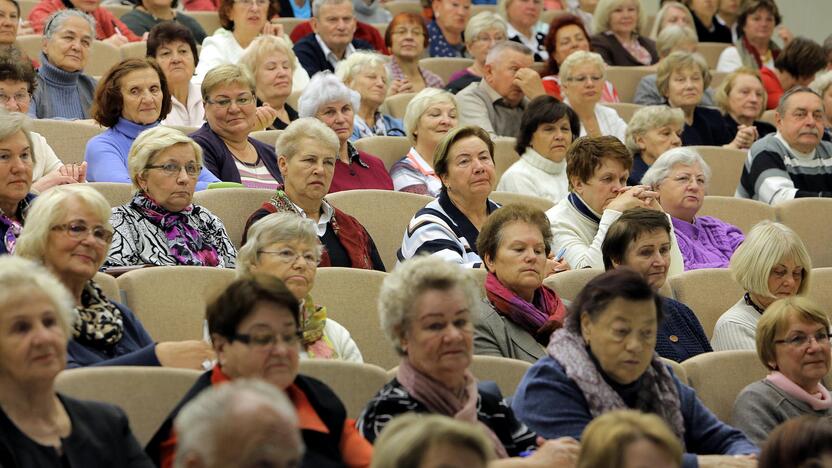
(387, 148)
(354, 383)
(569, 283)
(625, 109)
(505, 198)
(504, 154)
(134, 50)
(718, 377)
(109, 285)
(626, 79)
(209, 20)
(117, 194)
(67, 137)
(678, 370)
(710, 51)
(726, 168)
(809, 217)
(506, 372)
(741, 212)
(397, 104)
(268, 137)
(709, 292)
(819, 290)
(444, 67)
(403, 6)
(233, 206)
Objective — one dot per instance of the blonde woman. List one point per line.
(366, 73)
(627, 438)
(620, 36)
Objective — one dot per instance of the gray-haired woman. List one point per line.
(652, 130)
(366, 73)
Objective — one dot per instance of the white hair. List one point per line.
(324, 88)
(420, 104)
(21, 279)
(501, 47)
(665, 163)
(578, 58)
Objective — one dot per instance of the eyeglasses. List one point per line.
(249, 2)
(225, 103)
(488, 38)
(801, 340)
(404, 31)
(265, 339)
(289, 256)
(584, 78)
(20, 98)
(174, 169)
(80, 231)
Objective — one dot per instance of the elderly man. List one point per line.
(498, 101)
(794, 162)
(334, 25)
(239, 424)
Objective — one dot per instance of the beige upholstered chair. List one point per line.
(718, 377)
(26, 7)
(289, 25)
(384, 214)
(625, 109)
(268, 137)
(726, 167)
(146, 394)
(505, 198)
(569, 283)
(102, 57)
(117, 194)
(354, 383)
(809, 217)
(68, 138)
(210, 21)
(444, 67)
(390, 149)
(741, 212)
(233, 206)
(504, 154)
(506, 372)
(626, 79)
(710, 51)
(819, 290)
(403, 6)
(170, 301)
(768, 116)
(109, 285)
(709, 292)
(397, 104)
(678, 370)
(350, 296)
(134, 49)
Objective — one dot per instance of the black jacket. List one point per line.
(312, 57)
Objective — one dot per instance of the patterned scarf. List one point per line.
(13, 228)
(531, 316)
(440, 399)
(99, 323)
(657, 394)
(185, 243)
(314, 340)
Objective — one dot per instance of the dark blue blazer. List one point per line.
(312, 57)
(218, 159)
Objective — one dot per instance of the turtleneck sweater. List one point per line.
(61, 94)
(535, 175)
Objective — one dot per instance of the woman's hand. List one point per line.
(66, 174)
(264, 116)
(25, 28)
(116, 39)
(555, 266)
(184, 354)
(781, 31)
(746, 136)
(727, 461)
(638, 196)
(562, 452)
(273, 29)
(78, 172)
(400, 86)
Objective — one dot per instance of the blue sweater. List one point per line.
(680, 335)
(552, 405)
(107, 152)
(135, 348)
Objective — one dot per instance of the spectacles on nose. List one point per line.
(584, 78)
(80, 231)
(801, 340)
(289, 256)
(173, 169)
(248, 3)
(20, 98)
(267, 339)
(225, 103)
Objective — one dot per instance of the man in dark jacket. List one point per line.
(334, 25)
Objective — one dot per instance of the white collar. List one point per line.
(793, 151)
(535, 159)
(323, 220)
(330, 56)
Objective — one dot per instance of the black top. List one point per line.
(614, 53)
(708, 129)
(638, 170)
(220, 161)
(312, 58)
(462, 82)
(279, 124)
(763, 128)
(719, 33)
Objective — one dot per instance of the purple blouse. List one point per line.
(708, 243)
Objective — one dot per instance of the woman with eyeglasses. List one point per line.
(68, 231)
(481, 33)
(132, 97)
(407, 37)
(582, 83)
(793, 344)
(160, 226)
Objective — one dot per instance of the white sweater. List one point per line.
(46, 160)
(535, 175)
(342, 342)
(736, 328)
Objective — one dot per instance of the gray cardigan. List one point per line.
(496, 335)
(761, 406)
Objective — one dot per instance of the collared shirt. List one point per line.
(189, 114)
(384, 125)
(535, 43)
(364, 171)
(324, 218)
(330, 56)
(481, 105)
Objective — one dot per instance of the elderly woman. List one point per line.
(627, 438)
(407, 38)
(524, 25)
(481, 33)
(597, 169)
(704, 19)
(271, 61)
(640, 240)
(672, 13)
(256, 331)
(445, 31)
(366, 73)
(11, 23)
(306, 155)
(742, 100)
(771, 264)
(132, 97)
(231, 115)
(823, 86)
(147, 14)
(514, 244)
(106, 26)
(175, 50)
(448, 226)
(682, 79)
(582, 82)
(680, 177)
(793, 344)
(619, 34)
(603, 359)
(63, 91)
(755, 48)
(18, 159)
(651, 131)
(160, 225)
(329, 100)
(567, 34)
(40, 426)
(425, 307)
(428, 117)
(68, 231)
(286, 246)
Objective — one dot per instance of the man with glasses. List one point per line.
(334, 40)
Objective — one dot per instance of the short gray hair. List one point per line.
(673, 36)
(578, 58)
(13, 122)
(56, 21)
(648, 118)
(420, 104)
(822, 82)
(323, 88)
(48, 208)
(657, 23)
(307, 128)
(402, 289)
(665, 163)
(199, 422)
(358, 61)
(601, 16)
(317, 4)
(150, 143)
(271, 229)
(227, 74)
(20, 277)
(764, 246)
(781, 106)
(483, 21)
(501, 47)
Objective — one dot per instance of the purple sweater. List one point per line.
(709, 243)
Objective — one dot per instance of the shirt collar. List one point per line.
(355, 156)
(330, 56)
(324, 218)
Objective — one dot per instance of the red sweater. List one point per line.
(105, 22)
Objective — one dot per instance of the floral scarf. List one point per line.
(315, 341)
(532, 317)
(185, 243)
(99, 323)
(657, 394)
(13, 228)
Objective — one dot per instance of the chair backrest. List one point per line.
(504, 198)
(30, 43)
(387, 148)
(289, 25)
(26, 7)
(678, 370)
(170, 301)
(548, 15)
(768, 116)
(741, 212)
(117, 194)
(506, 372)
(625, 109)
(68, 138)
(483, 7)
(397, 104)
(209, 20)
(103, 56)
(117, 9)
(384, 214)
(710, 52)
(233, 206)
(146, 394)
(569, 283)
(709, 292)
(805, 216)
(268, 137)
(403, 6)
(351, 299)
(134, 50)
(720, 376)
(355, 383)
(504, 154)
(726, 168)
(716, 79)
(109, 285)
(625, 80)
(444, 67)
(819, 290)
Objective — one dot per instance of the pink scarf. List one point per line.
(532, 316)
(440, 399)
(818, 401)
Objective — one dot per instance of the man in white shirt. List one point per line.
(333, 23)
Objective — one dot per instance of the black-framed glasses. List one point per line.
(264, 339)
(173, 169)
(79, 231)
(800, 340)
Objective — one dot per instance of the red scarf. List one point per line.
(534, 317)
